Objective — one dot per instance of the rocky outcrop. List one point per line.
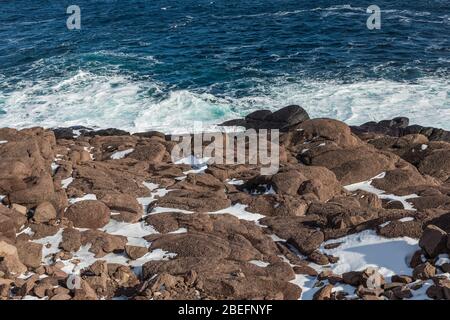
(112, 207)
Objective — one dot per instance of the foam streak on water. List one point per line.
(116, 101)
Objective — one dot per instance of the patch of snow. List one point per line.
(384, 224)
(259, 263)
(424, 147)
(180, 230)
(27, 231)
(76, 133)
(238, 210)
(406, 219)
(361, 250)
(306, 283)
(53, 243)
(367, 186)
(277, 238)
(34, 298)
(198, 165)
(151, 186)
(442, 258)
(235, 182)
(138, 229)
(121, 154)
(3, 141)
(54, 167)
(90, 151)
(155, 192)
(83, 198)
(157, 210)
(66, 182)
(421, 294)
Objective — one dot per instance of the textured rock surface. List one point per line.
(112, 207)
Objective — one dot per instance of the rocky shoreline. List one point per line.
(106, 215)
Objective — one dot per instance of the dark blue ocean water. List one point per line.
(164, 64)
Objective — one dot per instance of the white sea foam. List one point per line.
(117, 101)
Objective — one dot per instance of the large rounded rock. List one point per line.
(10, 263)
(288, 116)
(91, 214)
(433, 241)
(30, 253)
(329, 129)
(44, 212)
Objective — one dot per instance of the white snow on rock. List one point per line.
(50, 246)
(358, 252)
(133, 231)
(83, 258)
(235, 182)
(367, 186)
(198, 165)
(180, 230)
(366, 249)
(27, 231)
(54, 167)
(155, 192)
(442, 258)
(89, 196)
(406, 219)
(121, 154)
(238, 210)
(66, 182)
(259, 263)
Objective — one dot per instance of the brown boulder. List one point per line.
(329, 129)
(152, 152)
(126, 205)
(85, 292)
(195, 244)
(396, 229)
(10, 263)
(30, 253)
(7, 227)
(71, 240)
(38, 189)
(287, 182)
(18, 219)
(101, 177)
(437, 164)
(193, 201)
(91, 214)
(433, 241)
(163, 222)
(135, 252)
(44, 212)
(424, 271)
(103, 243)
(324, 293)
(307, 240)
